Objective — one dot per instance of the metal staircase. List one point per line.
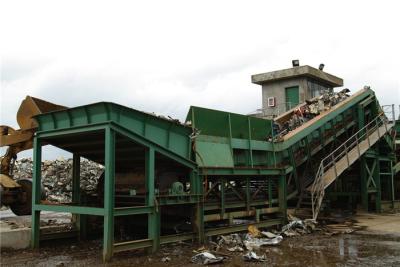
(346, 154)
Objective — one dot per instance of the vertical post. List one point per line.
(79, 219)
(230, 133)
(222, 190)
(269, 192)
(153, 225)
(109, 186)
(377, 178)
(198, 216)
(248, 200)
(250, 147)
(282, 196)
(36, 188)
(76, 172)
(392, 181)
(273, 143)
(76, 189)
(363, 182)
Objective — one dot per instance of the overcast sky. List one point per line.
(164, 56)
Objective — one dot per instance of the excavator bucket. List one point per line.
(29, 107)
(32, 106)
(17, 194)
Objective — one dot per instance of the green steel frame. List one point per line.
(109, 211)
(234, 171)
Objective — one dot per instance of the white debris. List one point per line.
(255, 243)
(235, 249)
(166, 259)
(230, 240)
(206, 258)
(252, 256)
(268, 234)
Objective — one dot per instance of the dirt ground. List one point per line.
(377, 245)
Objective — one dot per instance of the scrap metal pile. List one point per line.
(250, 244)
(57, 176)
(306, 112)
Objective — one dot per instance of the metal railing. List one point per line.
(330, 161)
(389, 111)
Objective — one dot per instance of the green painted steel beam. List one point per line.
(239, 214)
(78, 219)
(282, 196)
(153, 225)
(230, 205)
(109, 191)
(72, 130)
(240, 171)
(168, 134)
(36, 191)
(133, 210)
(178, 200)
(70, 209)
(216, 123)
(186, 162)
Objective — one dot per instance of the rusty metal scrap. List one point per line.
(312, 108)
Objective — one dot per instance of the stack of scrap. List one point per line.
(308, 111)
(57, 176)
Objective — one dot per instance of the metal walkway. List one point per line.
(332, 166)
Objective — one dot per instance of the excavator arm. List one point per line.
(17, 194)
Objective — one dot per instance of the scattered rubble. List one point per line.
(57, 176)
(298, 227)
(268, 234)
(252, 256)
(251, 242)
(235, 249)
(230, 240)
(308, 111)
(166, 259)
(255, 243)
(206, 258)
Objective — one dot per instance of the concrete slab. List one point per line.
(301, 71)
(15, 231)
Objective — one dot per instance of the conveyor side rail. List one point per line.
(345, 155)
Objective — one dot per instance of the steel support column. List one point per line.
(154, 217)
(377, 178)
(283, 196)
(363, 184)
(78, 219)
(222, 201)
(109, 191)
(36, 191)
(196, 187)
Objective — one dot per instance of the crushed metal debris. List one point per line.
(206, 258)
(252, 256)
(57, 176)
(306, 112)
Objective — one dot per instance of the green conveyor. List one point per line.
(229, 168)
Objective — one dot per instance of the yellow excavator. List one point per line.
(17, 194)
